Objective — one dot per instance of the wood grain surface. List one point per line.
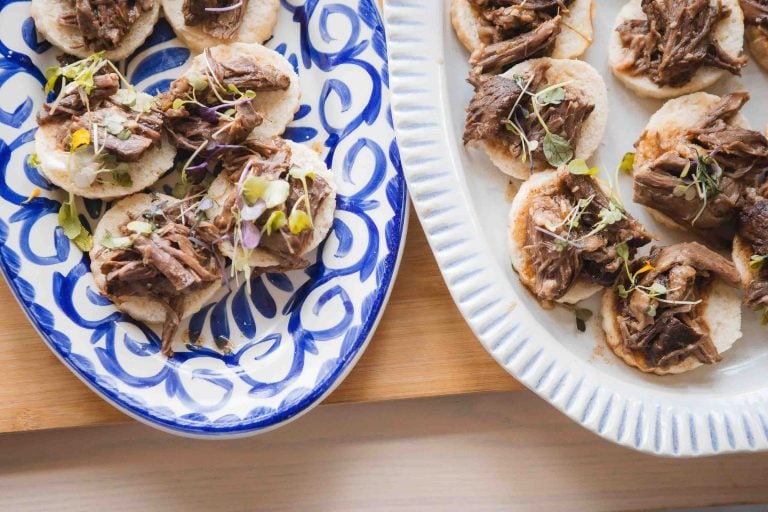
(422, 347)
(491, 452)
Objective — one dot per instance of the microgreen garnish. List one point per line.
(274, 223)
(582, 317)
(580, 168)
(69, 221)
(557, 150)
(627, 162)
(140, 227)
(35, 192)
(33, 160)
(656, 291)
(80, 137)
(116, 242)
(756, 261)
(272, 192)
(705, 182)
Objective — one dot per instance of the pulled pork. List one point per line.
(567, 237)
(701, 184)
(167, 265)
(514, 30)
(676, 40)
(272, 161)
(217, 18)
(753, 230)
(665, 332)
(489, 115)
(104, 23)
(195, 114)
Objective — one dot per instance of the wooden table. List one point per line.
(422, 348)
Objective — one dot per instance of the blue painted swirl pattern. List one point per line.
(292, 336)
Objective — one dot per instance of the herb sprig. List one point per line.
(557, 150)
(705, 181)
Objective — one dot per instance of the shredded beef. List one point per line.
(755, 12)
(736, 158)
(143, 131)
(272, 161)
(218, 24)
(104, 23)
(676, 40)
(666, 332)
(512, 31)
(489, 114)
(176, 259)
(191, 125)
(78, 101)
(753, 230)
(560, 253)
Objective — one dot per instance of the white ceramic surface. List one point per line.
(462, 201)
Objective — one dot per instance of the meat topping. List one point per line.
(676, 39)
(205, 111)
(753, 230)
(217, 18)
(503, 113)
(578, 232)
(104, 23)
(755, 12)
(662, 297)
(167, 258)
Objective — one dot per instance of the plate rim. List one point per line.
(651, 421)
(243, 428)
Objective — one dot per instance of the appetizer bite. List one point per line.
(229, 93)
(568, 236)
(538, 115)
(673, 311)
(201, 24)
(756, 29)
(666, 48)
(694, 162)
(502, 33)
(83, 27)
(274, 201)
(750, 252)
(154, 258)
(96, 139)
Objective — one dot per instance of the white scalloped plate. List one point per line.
(462, 203)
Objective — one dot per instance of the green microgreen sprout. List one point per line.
(656, 291)
(69, 220)
(557, 150)
(705, 182)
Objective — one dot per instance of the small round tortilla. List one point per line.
(729, 33)
(258, 23)
(742, 254)
(144, 173)
(757, 40)
(575, 36)
(545, 183)
(301, 156)
(587, 80)
(666, 129)
(143, 309)
(278, 107)
(46, 14)
(722, 314)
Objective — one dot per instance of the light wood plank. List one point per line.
(489, 452)
(423, 347)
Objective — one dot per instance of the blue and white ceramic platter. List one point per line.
(295, 335)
